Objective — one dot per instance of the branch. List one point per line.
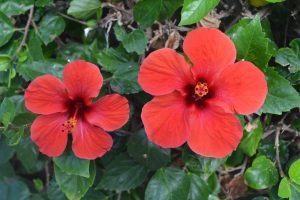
(73, 19)
(278, 131)
(26, 30)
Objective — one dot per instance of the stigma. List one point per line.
(201, 89)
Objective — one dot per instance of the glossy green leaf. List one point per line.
(251, 139)
(7, 29)
(6, 152)
(74, 187)
(168, 8)
(43, 3)
(28, 154)
(7, 171)
(72, 165)
(200, 165)
(7, 111)
(14, 189)
(284, 190)
(174, 184)
(54, 192)
(124, 80)
(294, 172)
(262, 174)
(30, 71)
(15, 7)
(251, 42)
(145, 12)
(120, 32)
(13, 136)
(50, 27)
(290, 56)
(295, 192)
(281, 96)
(123, 173)
(146, 152)
(135, 41)
(112, 59)
(194, 10)
(83, 9)
(5, 62)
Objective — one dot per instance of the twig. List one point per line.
(115, 7)
(26, 30)
(278, 131)
(47, 175)
(73, 19)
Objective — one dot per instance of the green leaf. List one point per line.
(14, 189)
(295, 192)
(294, 172)
(6, 171)
(6, 152)
(145, 12)
(112, 59)
(135, 41)
(15, 7)
(124, 80)
(74, 186)
(7, 29)
(281, 96)
(13, 136)
(35, 47)
(146, 152)
(84, 9)
(284, 190)
(72, 165)
(123, 173)
(168, 8)
(54, 192)
(174, 184)
(7, 111)
(30, 71)
(27, 154)
(194, 10)
(200, 165)
(275, 1)
(5, 62)
(43, 3)
(251, 139)
(290, 56)
(50, 27)
(251, 42)
(262, 174)
(120, 32)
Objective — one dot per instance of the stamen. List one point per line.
(201, 89)
(69, 125)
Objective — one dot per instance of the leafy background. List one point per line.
(39, 36)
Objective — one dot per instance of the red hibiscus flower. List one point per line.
(198, 103)
(67, 107)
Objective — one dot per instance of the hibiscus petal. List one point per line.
(46, 95)
(82, 79)
(165, 121)
(243, 87)
(209, 47)
(90, 142)
(214, 133)
(163, 71)
(110, 112)
(48, 134)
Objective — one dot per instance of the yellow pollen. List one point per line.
(201, 89)
(69, 125)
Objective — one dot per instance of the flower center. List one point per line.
(201, 89)
(70, 124)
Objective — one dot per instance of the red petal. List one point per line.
(214, 133)
(82, 80)
(163, 71)
(46, 95)
(209, 48)
(90, 142)
(165, 121)
(243, 87)
(47, 134)
(110, 112)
